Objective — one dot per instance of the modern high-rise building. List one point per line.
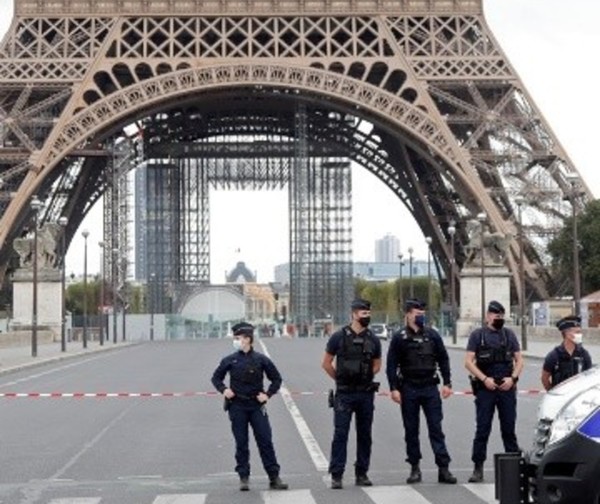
(387, 249)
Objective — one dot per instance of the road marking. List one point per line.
(395, 494)
(309, 440)
(77, 500)
(288, 497)
(180, 499)
(486, 492)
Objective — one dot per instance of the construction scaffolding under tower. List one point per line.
(173, 213)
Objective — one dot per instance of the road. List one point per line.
(170, 449)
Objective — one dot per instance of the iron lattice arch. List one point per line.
(428, 75)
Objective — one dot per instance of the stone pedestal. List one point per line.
(49, 305)
(497, 288)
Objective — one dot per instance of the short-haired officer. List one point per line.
(494, 361)
(246, 402)
(415, 355)
(357, 355)
(569, 358)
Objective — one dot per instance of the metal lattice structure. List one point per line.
(424, 96)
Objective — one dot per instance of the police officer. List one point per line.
(353, 358)
(246, 399)
(568, 358)
(494, 362)
(414, 356)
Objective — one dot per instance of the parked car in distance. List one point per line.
(380, 330)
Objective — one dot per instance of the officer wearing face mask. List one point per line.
(415, 355)
(246, 400)
(352, 358)
(494, 362)
(569, 358)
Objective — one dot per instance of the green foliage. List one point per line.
(561, 252)
(384, 297)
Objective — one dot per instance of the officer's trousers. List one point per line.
(486, 401)
(362, 404)
(250, 413)
(428, 398)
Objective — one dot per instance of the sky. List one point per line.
(552, 44)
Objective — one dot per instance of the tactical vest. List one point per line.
(418, 359)
(354, 363)
(486, 356)
(566, 367)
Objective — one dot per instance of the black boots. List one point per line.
(244, 485)
(477, 476)
(363, 480)
(336, 482)
(415, 474)
(275, 483)
(445, 476)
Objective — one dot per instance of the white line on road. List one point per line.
(486, 492)
(180, 499)
(312, 446)
(395, 494)
(77, 500)
(289, 497)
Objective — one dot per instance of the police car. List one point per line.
(564, 464)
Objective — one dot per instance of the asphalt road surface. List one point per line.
(97, 436)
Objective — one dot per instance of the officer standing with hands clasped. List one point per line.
(245, 400)
(494, 362)
(569, 358)
(357, 355)
(414, 356)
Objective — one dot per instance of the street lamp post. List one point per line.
(115, 256)
(573, 178)
(481, 217)
(62, 222)
(85, 233)
(523, 291)
(101, 244)
(36, 204)
(400, 293)
(152, 277)
(452, 232)
(429, 290)
(410, 272)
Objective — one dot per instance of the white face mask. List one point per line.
(237, 344)
(577, 338)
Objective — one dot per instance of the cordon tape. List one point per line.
(102, 395)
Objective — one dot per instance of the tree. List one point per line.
(561, 252)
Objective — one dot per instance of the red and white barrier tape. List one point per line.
(88, 395)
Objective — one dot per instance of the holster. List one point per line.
(226, 404)
(331, 398)
(476, 385)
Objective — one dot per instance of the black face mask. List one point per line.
(364, 321)
(498, 323)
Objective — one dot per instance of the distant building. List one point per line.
(375, 271)
(241, 274)
(387, 249)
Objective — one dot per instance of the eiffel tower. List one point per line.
(416, 91)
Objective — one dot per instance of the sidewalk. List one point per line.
(19, 357)
(536, 349)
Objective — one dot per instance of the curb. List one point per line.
(61, 357)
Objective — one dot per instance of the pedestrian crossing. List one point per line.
(392, 494)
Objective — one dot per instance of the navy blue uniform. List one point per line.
(358, 399)
(246, 371)
(562, 365)
(502, 342)
(417, 384)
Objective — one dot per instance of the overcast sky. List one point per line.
(553, 46)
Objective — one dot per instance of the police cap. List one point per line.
(414, 303)
(496, 307)
(243, 329)
(360, 304)
(568, 322)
